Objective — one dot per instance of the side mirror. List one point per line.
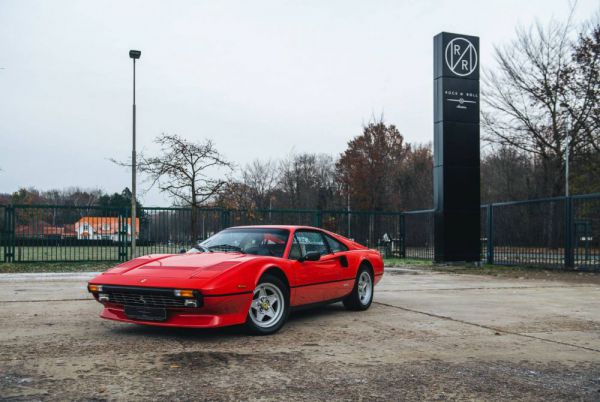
(312, 256)
(182, 251)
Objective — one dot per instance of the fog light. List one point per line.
(184, 293)
(191, 303)
(94, 288)
(103, 297)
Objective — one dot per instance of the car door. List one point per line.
(339, 252)
(320, 280)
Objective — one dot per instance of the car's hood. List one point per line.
(179, 266)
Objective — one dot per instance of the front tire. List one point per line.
(362, 294)
(269, 308)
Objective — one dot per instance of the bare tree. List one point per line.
(414, 179)
(235, 195)
(545, 87)
(261, 178)
(307, 181)
(187, 171)
(507, 174)
(584, 105)
(81, 198)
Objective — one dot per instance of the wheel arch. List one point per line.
(275, 271)
(366, 263)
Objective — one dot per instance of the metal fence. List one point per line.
(38, 233)
(417, 235)
(554, 232)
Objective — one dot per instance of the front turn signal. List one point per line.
(94, 288)
(184, 293)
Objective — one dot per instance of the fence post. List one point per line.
(123, 249)
(9, 234)
(569, 263)
(318, 219)
(490, 233)
(349, 224)
(120, 236)
(371, 229)
(402, 236)
(225, 219)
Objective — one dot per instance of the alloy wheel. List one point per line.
(267, 305)
(365, 288)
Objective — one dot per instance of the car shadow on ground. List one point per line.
(298, 317)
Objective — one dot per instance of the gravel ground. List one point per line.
(429, 335)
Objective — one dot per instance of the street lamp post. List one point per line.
(567, 152)
(567, 165)
(133, 54)
(569, 133)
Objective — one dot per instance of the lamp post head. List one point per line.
(135, 54)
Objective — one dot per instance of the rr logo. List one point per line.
(461, 56)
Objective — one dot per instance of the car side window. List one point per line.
(306, 242)
(334, 245)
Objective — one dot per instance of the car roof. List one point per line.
(289, 227)
(296, 227)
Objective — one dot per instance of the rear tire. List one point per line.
(270, 306)
(362, 294)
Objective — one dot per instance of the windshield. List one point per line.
(258, 241)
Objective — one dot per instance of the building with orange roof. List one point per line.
(105, 228)
(43, 230)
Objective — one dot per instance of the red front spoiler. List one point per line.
(217, 311)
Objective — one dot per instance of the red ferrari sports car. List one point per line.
(252, 275)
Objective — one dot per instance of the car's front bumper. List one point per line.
(217, 311)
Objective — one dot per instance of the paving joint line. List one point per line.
(42, 301)
(443, 317)
(494, 288)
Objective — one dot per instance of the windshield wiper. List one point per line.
(202, 248)
(224, 247)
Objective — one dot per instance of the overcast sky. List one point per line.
(260, 78)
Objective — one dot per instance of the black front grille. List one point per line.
(149, 297)
(134, 299)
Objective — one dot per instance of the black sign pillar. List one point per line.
(456, 147)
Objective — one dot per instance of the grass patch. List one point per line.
(467, 268)
(486, 269)
(405, 262)
(81, 253)
(35, 267)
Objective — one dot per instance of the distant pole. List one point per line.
(569, 130)
(567, 153)
(348, 212)
(133, 54)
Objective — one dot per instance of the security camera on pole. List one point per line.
(133, 54)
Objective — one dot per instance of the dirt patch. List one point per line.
(202, 360)
(229, 376)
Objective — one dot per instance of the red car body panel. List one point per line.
(226, 280)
